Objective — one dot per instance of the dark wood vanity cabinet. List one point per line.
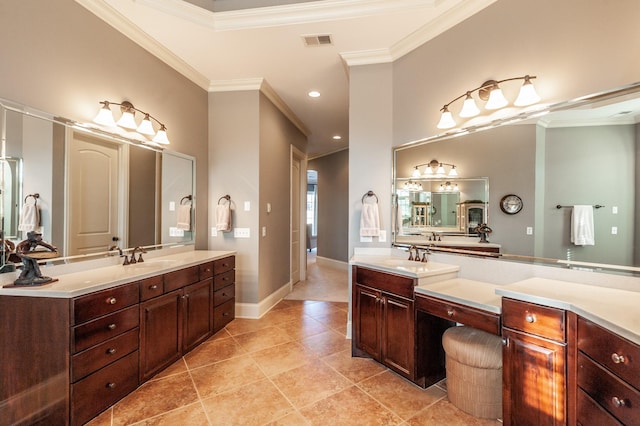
(534, 364)
(383, 320)
(224, 292)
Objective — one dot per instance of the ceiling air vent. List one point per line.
(317, 40)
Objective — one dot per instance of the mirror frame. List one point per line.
(529, 114)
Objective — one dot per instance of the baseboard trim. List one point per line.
(257, 310)
(332, 263)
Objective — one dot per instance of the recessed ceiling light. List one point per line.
(337, 137)
(314, 94)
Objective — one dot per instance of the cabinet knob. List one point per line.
(112, 301)
(111, 351)
(225, 314)
(224, 294)
(618, 402)
(153, 287)
(450, 312)
(111, 385)
(505, 341)
(617, 359)
(111, 326)
(530, 318)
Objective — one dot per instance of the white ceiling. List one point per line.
(263, 47)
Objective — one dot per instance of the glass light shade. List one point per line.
(428, 172)
(105, 116)
(446, 120)
(527, 95)
(496, 99)
(440, 170)
(453, 171)
(456, 188)
(469, 108)
(146, 128)
(161, 136)
(416, 173)
(127, 120)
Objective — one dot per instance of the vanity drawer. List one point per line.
(395, 284)
(94, 305)
(224, 294)
(534, 319)
(617, 354)
(103, 388)
(617, 397)
(86, 362)
(206, 270)
(224, 265)
(183, 277)
(223, 314)
(101, 329)
(472, 317)
(590, 413)
(151, 287)
(223, 280)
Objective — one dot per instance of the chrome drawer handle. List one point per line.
(450, 312)
(618, 402)
(112, 301)
(111, 326)
(617, 359)
(111, 385)
(111, 351)
(530, 318)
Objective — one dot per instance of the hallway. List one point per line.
(323, 283)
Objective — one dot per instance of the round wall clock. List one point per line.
(511, 204)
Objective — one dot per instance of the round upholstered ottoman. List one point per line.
(474, 371)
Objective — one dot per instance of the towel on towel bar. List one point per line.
(223, 217)
(582, 228)
(29, 217)
(370, 220)
(184, 217)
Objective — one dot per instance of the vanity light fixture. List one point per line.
(490, 92)
(449, 187)
(127, 121)
(439, 170)
(412, 186)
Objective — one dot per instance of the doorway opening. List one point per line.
(312, 214)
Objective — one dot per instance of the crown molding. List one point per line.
(265, 88)
(134, 33)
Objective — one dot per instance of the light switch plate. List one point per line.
(529, 230)
(382, 236)
(175, 232)
(214, 231)
(242, 232)
(366, 239)
(172, 206)
(247, 206)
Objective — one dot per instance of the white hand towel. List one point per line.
(29, 218)
(184, 217)
(223, 217)
(370, 220)
(582, 228)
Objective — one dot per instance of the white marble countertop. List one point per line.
(400, 265)
(448, 241)
(87, 281)
(476, 294)
(616, 310)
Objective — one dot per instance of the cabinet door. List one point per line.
(367, 321)
(533, 380)
(397, 349)
(160, 333)
(198, 313)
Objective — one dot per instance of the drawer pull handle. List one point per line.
(617, 359)
(450, 312)
(111, 351)
(505, 341)
(111, 326)
(530, 318)
(225, 314)
(224, 294)
(112, 301)
(111, 385)
(153, 287)
(618, 402)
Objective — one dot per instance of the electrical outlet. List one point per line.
(172, 206)
(529, 230)
(247, 206)
(214, 231)
(614, 210)
(614, 230)
(382, 236)
(242, 232)
(264, 231)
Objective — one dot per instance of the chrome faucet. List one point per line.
(112, 248)
(411, 248)
(140, 250)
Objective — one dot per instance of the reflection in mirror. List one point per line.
(178, 202)
(582, 152)
(89, 182)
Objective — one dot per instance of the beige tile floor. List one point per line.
(322, 283)
(291, 367)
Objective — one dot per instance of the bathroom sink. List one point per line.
(153, 264)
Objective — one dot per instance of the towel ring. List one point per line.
(34, 196)
(370, 194)
(224, 197)
(186, 197)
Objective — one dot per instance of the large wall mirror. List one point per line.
(91, 190)
(581, 152)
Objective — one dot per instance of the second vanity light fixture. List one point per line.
(127, 121)
(434, 169)
(490, 92)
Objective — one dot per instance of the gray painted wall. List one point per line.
(60, 58)
(333, 200)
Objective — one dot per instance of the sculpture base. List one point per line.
(31, 282)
